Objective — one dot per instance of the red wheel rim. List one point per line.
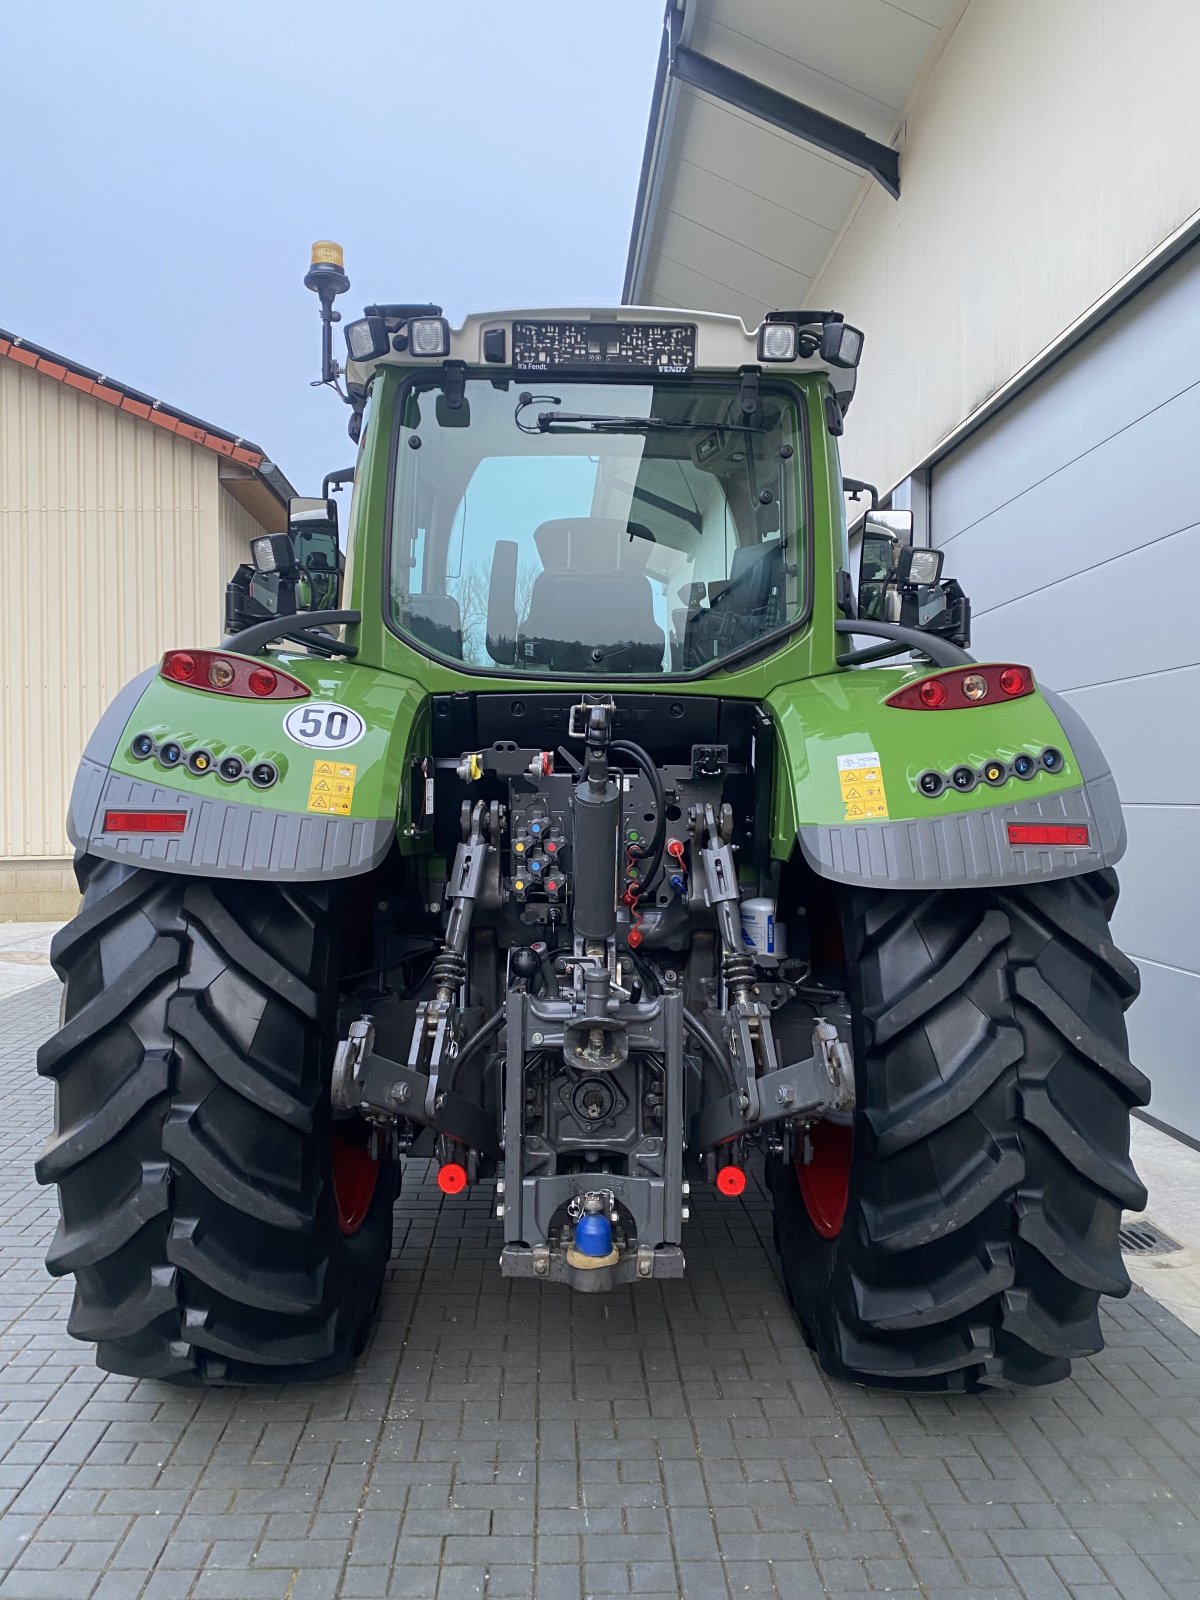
(355, 1174)
(825, 1180)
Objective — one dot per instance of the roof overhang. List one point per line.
(263, 491)
(768, 121)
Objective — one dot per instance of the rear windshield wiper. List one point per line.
(586, 422)
(593, 422)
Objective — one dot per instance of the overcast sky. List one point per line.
(165, 165)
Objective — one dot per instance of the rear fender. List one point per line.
(335, 810)
(847, 786)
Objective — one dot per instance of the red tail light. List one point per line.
(235, 675)
(961, 687)
(145, 821)
(1062, 833)
(731, 1181)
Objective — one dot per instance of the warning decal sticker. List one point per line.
(861, 780)
(332, 787)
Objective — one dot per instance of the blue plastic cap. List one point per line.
(593, 1235)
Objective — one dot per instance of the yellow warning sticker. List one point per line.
(860, 778)
(332, 787)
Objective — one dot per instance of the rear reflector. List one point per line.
(145, 821)
(731, 1181)
(452, 1177)
(1069, 833)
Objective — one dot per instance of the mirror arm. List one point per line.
(249, 641)
(940, 651)
(869, 653)
(341, 476)
(857, 486)
(323, 643)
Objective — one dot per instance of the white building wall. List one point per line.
(236, 527)
(114, 543)
(1052, 148)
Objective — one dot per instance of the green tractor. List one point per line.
(564, 835)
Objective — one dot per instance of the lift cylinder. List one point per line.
(597, 812)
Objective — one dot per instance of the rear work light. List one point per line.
(235, 675)
(1073, 834)
(958, 688)
(145, 821)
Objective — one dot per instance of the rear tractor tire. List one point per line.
(220, 1226)
(960, 1234)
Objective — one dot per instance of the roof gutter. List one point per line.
(658, 129)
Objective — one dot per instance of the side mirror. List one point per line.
(895, 525)
(313, 531)
(886, 541)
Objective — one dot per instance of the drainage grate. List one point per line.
(1144, 1239)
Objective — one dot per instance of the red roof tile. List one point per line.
(143, 406)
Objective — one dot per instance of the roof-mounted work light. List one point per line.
(367, 338)
(429, 336)
(841, 345)
(778, 341)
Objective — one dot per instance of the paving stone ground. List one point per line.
(506, 1439)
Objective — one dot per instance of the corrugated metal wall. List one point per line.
(111, 548)
(236, 528)
(1070, 520)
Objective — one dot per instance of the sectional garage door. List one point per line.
(1072, 519)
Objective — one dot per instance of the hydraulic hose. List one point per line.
(480, 1037)
(709, 1045)
(649, 856)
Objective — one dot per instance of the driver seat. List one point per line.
(592, 605)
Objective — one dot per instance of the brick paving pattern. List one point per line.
(508, 1440)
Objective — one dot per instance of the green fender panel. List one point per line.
(846, 786)
(334, 811)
